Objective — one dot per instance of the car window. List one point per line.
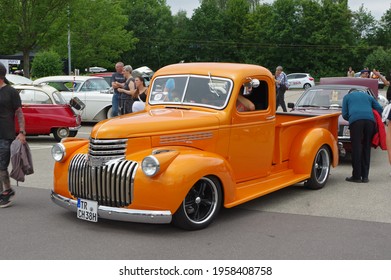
(322, 97)
(58, 98)
(30, 96)
(60, 86)
(291, 76)
(95, 85)
(300, 76)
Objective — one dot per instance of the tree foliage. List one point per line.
(46, 63)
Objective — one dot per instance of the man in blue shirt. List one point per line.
(357, 110)
(117, 81)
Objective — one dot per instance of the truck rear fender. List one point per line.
(305, 147)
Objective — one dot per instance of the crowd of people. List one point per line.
(129, 92)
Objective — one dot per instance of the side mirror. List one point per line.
(254, 83)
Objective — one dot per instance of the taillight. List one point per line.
(311, 79)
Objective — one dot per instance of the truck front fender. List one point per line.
(170, 186)
(305, 147)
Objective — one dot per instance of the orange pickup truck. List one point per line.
(192, 151)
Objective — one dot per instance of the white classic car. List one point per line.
(92, 91)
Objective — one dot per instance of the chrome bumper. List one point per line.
(118, 214)
(74, 128)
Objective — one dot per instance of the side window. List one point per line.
(41, 98)
(27, 96)
(256, 98)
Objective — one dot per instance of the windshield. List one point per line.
(191, 90)
(322, 98)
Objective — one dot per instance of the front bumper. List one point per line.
(118, 214)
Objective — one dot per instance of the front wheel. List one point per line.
(200, 206)
(320, 169)
(60, 133)
(109, 113)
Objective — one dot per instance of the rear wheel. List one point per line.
(320, 169)
(307, 86)
(200, 206)
(60, 133)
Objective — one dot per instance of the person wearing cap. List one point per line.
(10, 108)
(357, 109)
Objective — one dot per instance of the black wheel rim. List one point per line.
(322, 166)
(201, 201)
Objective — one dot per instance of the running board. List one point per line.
(250, 190)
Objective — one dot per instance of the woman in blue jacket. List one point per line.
(357, 110)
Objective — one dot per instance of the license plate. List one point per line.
(87, 210)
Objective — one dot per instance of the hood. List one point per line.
(155, 122)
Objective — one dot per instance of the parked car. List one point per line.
(47, 112)
(18, 80)
(327, 97)
(300, 80)
(92, 91)
(45, 109)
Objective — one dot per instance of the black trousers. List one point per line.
(280, 99)
(361, 134)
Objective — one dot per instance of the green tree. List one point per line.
(46, 63)
(152, 24)
(25, 25)
(380, 60)
(97, 33)
(207, 32)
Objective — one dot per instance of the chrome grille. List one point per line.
(107, 147)
(110, 183)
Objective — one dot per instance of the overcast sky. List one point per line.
(376, 7)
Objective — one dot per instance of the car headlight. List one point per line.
(150, 166)
(58, 152)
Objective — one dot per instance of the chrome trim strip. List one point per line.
(118, 214)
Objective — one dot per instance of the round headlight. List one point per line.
(58, 152)
(150, 166)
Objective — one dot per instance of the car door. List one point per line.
(35, 106)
